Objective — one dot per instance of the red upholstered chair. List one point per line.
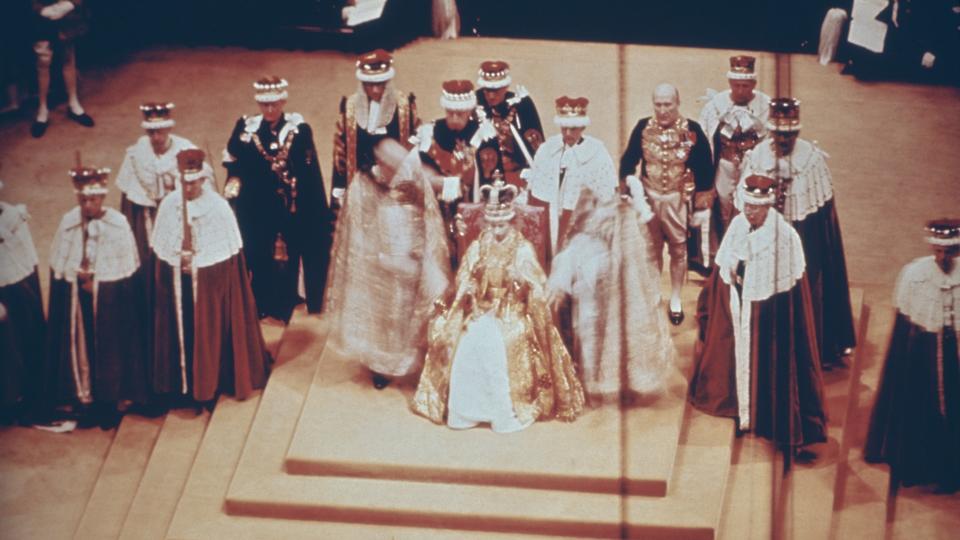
(532, 222)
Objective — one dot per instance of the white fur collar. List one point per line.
(110, 246)
(773, 255)
(291, 122)
(141, 176)
(811, 186)
(923, 291)
(388, 107)
(216, 236)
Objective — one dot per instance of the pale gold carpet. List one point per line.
(892, 150)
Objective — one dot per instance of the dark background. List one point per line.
(122, 26)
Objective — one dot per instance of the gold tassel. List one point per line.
(280, 249)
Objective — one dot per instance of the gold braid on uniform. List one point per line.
(279, 165)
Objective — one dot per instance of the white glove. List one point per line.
(57, 11)
(523, 198)
(639, 199)
(928, 60)
(451, 188)
(700, 217)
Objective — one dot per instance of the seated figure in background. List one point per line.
(494, 354)
(390, 262)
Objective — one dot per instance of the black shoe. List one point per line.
(676, 317)
(83, 118)
(699, 269)
(38, 128)
(110, 420)
(380, 382)
(88, 420)
(803, 456)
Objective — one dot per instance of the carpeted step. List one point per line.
(164, 476)
(119, 477)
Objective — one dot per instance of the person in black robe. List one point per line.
(95, 354)
(22, 324)
(756, 359)
(519, 132)
(805, 197)
(915, 424)
(275, 184)
(377, 110)
(208, 338)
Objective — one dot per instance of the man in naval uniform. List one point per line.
(805, 197)
(375, 111)
(667, 161)
(277, 190)
(734, 121)
(515, 117)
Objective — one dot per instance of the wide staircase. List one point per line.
(321, 454)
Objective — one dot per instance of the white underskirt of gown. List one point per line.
(479, 384)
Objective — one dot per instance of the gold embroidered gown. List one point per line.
(494, 354)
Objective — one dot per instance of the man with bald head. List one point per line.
(667, 162)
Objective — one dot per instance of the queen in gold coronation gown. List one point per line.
(494, 355)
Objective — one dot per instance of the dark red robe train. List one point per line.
(787, 385)
(225, 348)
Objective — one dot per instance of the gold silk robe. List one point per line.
(504, 279)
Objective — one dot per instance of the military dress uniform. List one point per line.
(672, 166)
(452, 154)
(519, 132)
